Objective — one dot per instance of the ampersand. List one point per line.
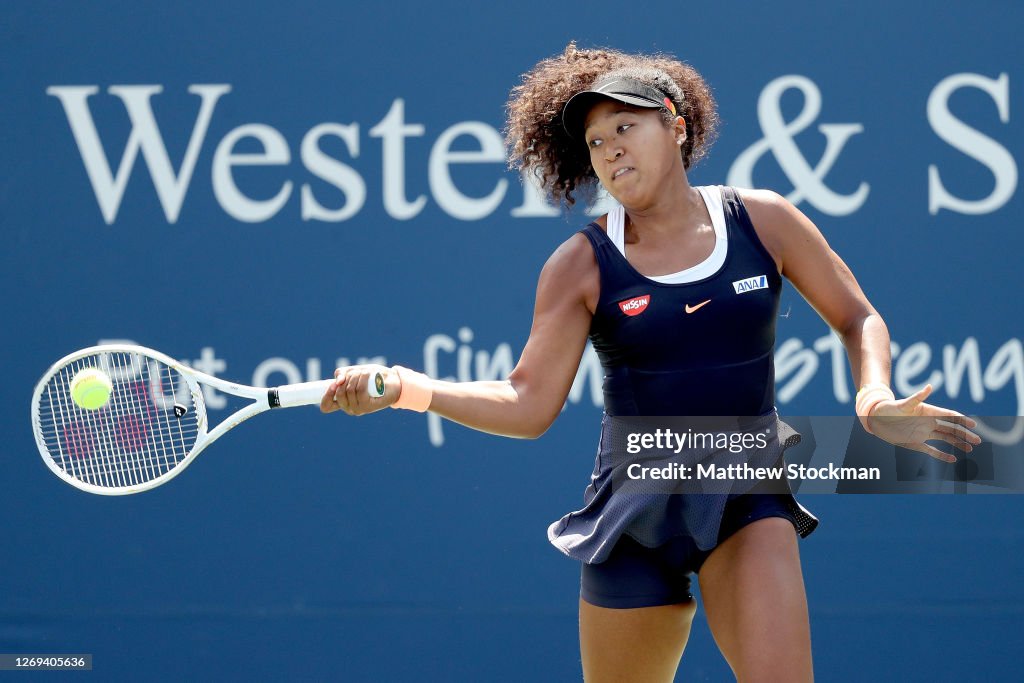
(808, 182)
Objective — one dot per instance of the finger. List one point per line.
(337, 371)
(339, 380)
(928, 449)
(327, 404)
(960, 419)
(339, 390)
(919, 397)
(351, 396)
(959, 432)
(953, 441)
(355, 395)
(947, 415)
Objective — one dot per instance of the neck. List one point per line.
(677, 207)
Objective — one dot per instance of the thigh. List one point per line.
(635, 611)
(640, 644)
(753, 593)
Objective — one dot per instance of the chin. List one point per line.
(631, 199)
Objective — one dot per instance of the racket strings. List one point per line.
(147, 427)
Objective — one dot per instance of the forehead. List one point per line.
(606, 109)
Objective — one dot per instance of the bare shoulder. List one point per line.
(767, 209)
(776, 221)
(758, 198)
(572, 271)
(772, 212)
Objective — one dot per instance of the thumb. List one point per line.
(919, 397)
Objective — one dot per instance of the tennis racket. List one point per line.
(153, 425)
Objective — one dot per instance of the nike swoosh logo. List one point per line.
(691, 309)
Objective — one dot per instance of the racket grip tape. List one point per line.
(310, 393)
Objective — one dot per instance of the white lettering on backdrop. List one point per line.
(953, 370)
(393, 130)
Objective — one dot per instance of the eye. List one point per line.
(622, 128)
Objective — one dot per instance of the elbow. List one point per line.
(537, 427)
(533, 414)
(855, 326)
(535, 431)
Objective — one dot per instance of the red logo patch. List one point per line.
(636, 305)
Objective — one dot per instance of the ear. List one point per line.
(679, 129)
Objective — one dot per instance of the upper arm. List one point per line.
(566, 290)
(806, 259)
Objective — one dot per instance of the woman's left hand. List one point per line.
(910, 423)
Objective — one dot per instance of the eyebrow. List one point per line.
(624, 110)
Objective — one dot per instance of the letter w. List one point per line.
(145, 135)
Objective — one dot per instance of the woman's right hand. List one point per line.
(349, 391)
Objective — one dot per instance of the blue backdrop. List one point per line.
(267, 192)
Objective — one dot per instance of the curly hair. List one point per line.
(537, 142)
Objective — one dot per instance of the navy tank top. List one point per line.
(695, 348)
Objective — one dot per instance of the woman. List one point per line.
(656, 284)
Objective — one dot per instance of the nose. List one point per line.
(613, 154)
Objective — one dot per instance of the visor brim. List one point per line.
(574, 114)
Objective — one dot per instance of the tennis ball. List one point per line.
(90, 388)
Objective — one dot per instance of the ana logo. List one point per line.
(636, 305)
(750, 284)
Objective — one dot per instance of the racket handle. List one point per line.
(310, 393)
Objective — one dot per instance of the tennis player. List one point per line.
(678, 290)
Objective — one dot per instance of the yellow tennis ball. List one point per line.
(90, 388)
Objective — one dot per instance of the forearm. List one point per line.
(867, 347)
(496, 407)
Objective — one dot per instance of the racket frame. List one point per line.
(263, 399)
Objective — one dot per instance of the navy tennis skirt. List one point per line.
(634, 575)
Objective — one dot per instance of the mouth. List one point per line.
(622, 171)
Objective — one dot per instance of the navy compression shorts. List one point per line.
(637, 576)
